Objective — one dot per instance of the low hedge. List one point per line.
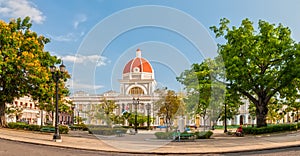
(170, 135)
(204, 135)
(139, 127)
(271, 128)
(228, 126)
(24, 126)
(107, 130)
(34, 127)
(17, 125)
(81, 127)
(164, 135)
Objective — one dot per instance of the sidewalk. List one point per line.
(145, 142)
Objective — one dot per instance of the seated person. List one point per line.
(239, 131)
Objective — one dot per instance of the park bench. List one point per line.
(119, 133)
(131, 131)
(48, 129)
(183, 136)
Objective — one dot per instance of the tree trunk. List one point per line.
(297, 115)
(2, 115)
(42, 119)
(261, 115)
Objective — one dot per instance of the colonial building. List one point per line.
(26, 110)
(136, 92)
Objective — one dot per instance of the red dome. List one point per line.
(138, 64)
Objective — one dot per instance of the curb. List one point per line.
(115, 150)
(154, 153)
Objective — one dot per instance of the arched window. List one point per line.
(136, 90)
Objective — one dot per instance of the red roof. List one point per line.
(141, 63)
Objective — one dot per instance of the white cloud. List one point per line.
(21, 8)
(63, 38)
(79, 59)
(75, 86)
(79, 19)
(66, 38)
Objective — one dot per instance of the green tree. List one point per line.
(168, 106)
(274, 108)
(198, 83)
(205, 95)
(259, 64)
(233, 104)
(291, 99)
(108, 107)
(24, 65)
(102, 111)
(14, 111)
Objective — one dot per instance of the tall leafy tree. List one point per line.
(274, 107)
(169, 106)
(108, 106)
(14, 111)
(291, 98)
(233, 103)
(205, 95)
(197, 83)
(103, 111)
(24, 65)
(259, 64)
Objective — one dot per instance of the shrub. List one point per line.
(63, 129)
(106, 130)
(24, 126)
(18, 125)
(138, 127)
(228, 127)
(34, 127)
(271, 129)
(12, 125)
(82, 127)
(164, 135)
(204, 135)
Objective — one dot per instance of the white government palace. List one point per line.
(138, 82)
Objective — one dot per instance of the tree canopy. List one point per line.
(169, 105)
(259, 64)
(24, 65)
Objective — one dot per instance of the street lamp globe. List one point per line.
(62, 67)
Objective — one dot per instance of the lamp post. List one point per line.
(73, 116)
(135, 103)
(225, 120)
(78, 117)
(148, 116)
(56, 75)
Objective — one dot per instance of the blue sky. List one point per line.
(96, 38)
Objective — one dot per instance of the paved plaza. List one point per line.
(145, 142)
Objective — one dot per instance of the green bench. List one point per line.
(119, 133)
(184, 136)
(48, 129)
